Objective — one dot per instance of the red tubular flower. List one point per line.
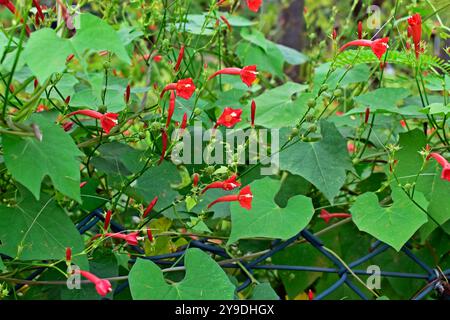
(334, 34)
(310, 295)
(68, 254)
(35, 83)
(183, 123)
(184, 88)
(131, 238)
(150, 235)
(164, 146)
(127, 94)
(107, 220)
(27, 28)
(378, 46)
(41, 108)
(359, 30)
(415, 31)
(107, 120)
(70, 57)
(248, 74)
(67, 100)
(366, 116)
(195, 179)
(68, 126)
(39, 10)
(157, 58)
(171, 108)
(225, 20)
(444, 163)
(244, 197)
(8, 4)
(227, 185)
(102, 286)
(82, 184)
(351, 147)
(326, 216)
(150, 207)
(253, 112)
(254, 5)
(229, 117)
(180, 58)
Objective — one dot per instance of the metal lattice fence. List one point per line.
(345, 271)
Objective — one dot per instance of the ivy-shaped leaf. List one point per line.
(411, 169)
(323, 163)
(46, 53)
(30, 160)
(158, 181)
(394, 225)
(38, 230)
(266, 218)
(204, 280)
(380, 100)
(94, 33)
(276, 108)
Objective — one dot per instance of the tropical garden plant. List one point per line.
(96, 97)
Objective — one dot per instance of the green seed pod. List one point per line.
(102, 109)
(324, 87)
(312, 128)
(311, 103)
(337, 93)
(209, 170)
(155, 127)
(310, 117)
(197, 111)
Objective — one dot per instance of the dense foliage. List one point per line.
(96, 95)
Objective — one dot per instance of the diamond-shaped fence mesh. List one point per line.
(347, 272)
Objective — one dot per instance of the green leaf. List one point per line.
(394, 225)
(46, 53)
(380, 100)
(435, 190)
(277, 108)
(323, 163)
(409, 161)
(30, 160)
(427, 180)
(437, 108)
(2, 266)
(264, 291)
(292, 56)
(257, 38)
(271, 60)
(204, 280)
(266, 219)
(94, 33)
(158, 181)
(38, 230)
(291, 185)
(296, 282)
